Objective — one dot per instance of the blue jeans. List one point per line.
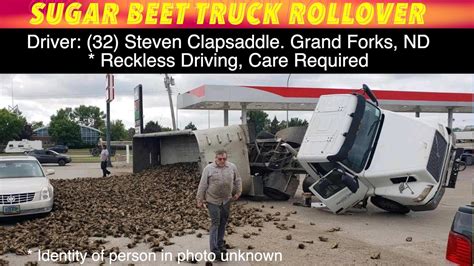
(219, 215)
(103, 166)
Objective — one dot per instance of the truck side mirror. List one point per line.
(351, 183)
(370, 94)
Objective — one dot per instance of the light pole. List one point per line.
(287, 105)
(169, 81)
(177, 112)
(110, 95)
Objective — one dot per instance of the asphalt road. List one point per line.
(74, 170)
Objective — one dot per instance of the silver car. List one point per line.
(24, 187)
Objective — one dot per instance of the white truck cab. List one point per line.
(356, 150)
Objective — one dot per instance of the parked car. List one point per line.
(50, 157)
(24, 187)
(459, 248)
(59, 148)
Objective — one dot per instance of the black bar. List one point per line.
(449, 51)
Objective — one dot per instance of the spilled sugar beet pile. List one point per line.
(150, 207)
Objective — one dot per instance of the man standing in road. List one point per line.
(220, 184)
(104, 156)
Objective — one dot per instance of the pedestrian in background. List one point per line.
(104, 156)
(220, 184)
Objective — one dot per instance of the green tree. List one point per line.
(11, 126)
(296, 122)
(90, 116)
(190, 126)
(67, 132)
(117, 130)
(36, 124)
(64, 130)
(274, 126)
(66, 113)
(26, 132)
(151, 127)
(259, 119)
(130, 133)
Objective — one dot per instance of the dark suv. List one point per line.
(59, 149)
(49, 156)
(459, 248)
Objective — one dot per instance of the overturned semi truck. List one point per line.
(352, 151)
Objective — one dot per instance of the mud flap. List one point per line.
(256, 189)
(280, 186)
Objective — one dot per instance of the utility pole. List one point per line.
(109, 162)
(169, 81)
(287, 105)
(11, 85)
(13, 108)
(177, 112)
(110, 95)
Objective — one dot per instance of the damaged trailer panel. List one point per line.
(267, 166)
(162, 148)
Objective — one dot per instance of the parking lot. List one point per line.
(368, 236)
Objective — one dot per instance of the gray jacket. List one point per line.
(219, 184)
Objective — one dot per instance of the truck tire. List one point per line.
(389, 205)
(62, 162)
(307, 182)
(468, 160)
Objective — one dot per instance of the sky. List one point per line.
(39, 96)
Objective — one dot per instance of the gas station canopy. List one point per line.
(221, 97)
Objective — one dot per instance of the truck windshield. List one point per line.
(14, 169)
(360, 151)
